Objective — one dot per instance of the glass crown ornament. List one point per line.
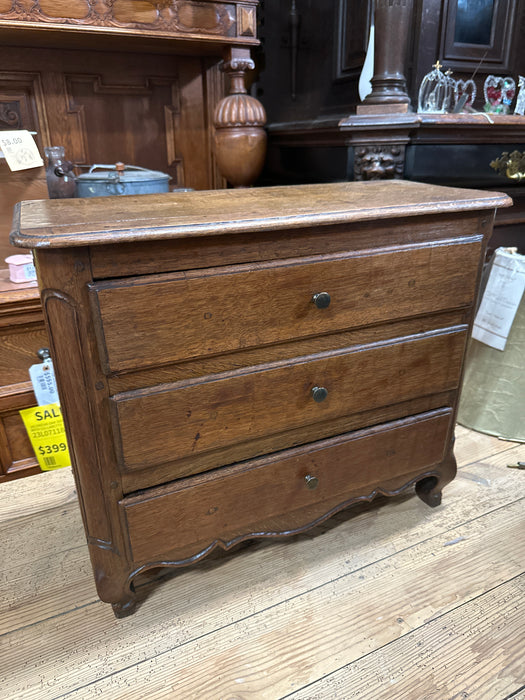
(436, 91)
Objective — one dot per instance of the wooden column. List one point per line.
(384, 122)
(393, 21)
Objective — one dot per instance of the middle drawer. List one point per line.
(190, 417)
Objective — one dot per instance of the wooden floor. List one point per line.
(389, 600)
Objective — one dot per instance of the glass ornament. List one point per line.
(467, 90)
(520, 102)
(499, 93)
(436, 91)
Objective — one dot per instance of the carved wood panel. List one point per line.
(10, 114)
(96, 108)
(352, 32)
(209, 19)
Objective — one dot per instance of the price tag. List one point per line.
(20, 150)
(501, 299)
(45, 427)
(44, 383)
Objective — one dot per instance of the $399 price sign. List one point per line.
(45, 427)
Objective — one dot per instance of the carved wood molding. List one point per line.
(207, 18)
(10, 115)
(22, 103)
(21, 309)
(96, 517)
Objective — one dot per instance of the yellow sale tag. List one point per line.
(45, 427)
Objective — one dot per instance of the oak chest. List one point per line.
(238, 364)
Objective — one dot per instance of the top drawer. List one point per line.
(155, 320)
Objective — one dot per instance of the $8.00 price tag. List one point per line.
(45, 427)
(20, 150)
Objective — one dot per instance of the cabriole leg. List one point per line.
(429, 489)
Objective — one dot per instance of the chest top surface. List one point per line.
(109, 220)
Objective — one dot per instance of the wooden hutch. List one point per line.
(110, 80)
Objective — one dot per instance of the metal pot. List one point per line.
(120, 179)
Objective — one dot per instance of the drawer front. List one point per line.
(169, 422)
(153, 321)
(180, 521)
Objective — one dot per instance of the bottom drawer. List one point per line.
(282, 493)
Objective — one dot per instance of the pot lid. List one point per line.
(122, 173)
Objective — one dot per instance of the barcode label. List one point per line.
(49, 461)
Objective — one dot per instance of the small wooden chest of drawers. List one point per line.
(238, 364)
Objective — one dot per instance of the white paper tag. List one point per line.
(44, 383)
(20, 150)
(501, 299)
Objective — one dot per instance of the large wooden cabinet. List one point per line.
(238, 364)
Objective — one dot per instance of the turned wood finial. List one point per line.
(240, 138)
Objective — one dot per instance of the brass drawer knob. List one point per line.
(322, 300)
(319, 393)
(312, 482)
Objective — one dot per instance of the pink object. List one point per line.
(21, 268)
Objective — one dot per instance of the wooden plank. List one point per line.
(198, 636)
(36, 567)
(475, 651)
(472, 446)
(32, 496)
(45, 587)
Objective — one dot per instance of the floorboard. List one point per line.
(430, 662)
(389, 590)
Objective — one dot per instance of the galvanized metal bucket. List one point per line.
(119, 179)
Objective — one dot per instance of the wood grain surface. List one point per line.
(52, 224)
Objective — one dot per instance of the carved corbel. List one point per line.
(240, 138)
(379, 162)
